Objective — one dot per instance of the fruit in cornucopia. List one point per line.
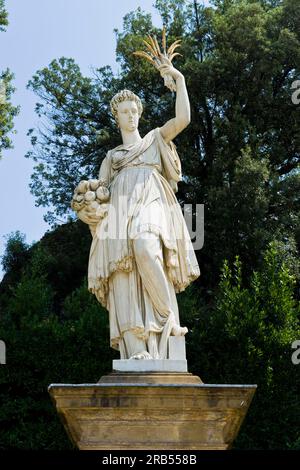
(102, 194)
(90, 196)
(94, 184)
(93, 206)
(83, 186)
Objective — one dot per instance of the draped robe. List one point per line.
(142, 179)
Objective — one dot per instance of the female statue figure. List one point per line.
(141, 253)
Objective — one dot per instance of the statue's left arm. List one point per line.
(182, 118)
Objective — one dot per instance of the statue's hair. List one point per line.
(125, 95)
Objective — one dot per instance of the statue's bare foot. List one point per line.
(179, 330)
(141, 355)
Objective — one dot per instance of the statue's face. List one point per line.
(128, 116)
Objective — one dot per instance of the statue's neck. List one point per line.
(130, 138)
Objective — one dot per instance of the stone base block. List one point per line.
(150, 365)
(152, 411)
(176, 347)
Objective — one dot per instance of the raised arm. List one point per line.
(182, 118)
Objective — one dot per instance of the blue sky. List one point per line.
(39, 31)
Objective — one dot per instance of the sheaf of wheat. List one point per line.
(155, 56)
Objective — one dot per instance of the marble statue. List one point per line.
(141, 253)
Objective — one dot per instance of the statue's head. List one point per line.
(126, 108)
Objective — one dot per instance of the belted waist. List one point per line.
(153, 167)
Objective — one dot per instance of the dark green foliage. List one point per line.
(43, 350)
(13, 261)
(54, 330)
(247, 338)
(244, 336)
(63, 257)
(16, 253)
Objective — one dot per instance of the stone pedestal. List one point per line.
(152, 410)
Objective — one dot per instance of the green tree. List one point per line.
(7, 110)
(247, 338)
(81, 132)
(15, 252)
(3, 16)
(240, 59)
(60, 258)
(13, 261)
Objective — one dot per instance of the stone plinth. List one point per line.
(153, 410)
